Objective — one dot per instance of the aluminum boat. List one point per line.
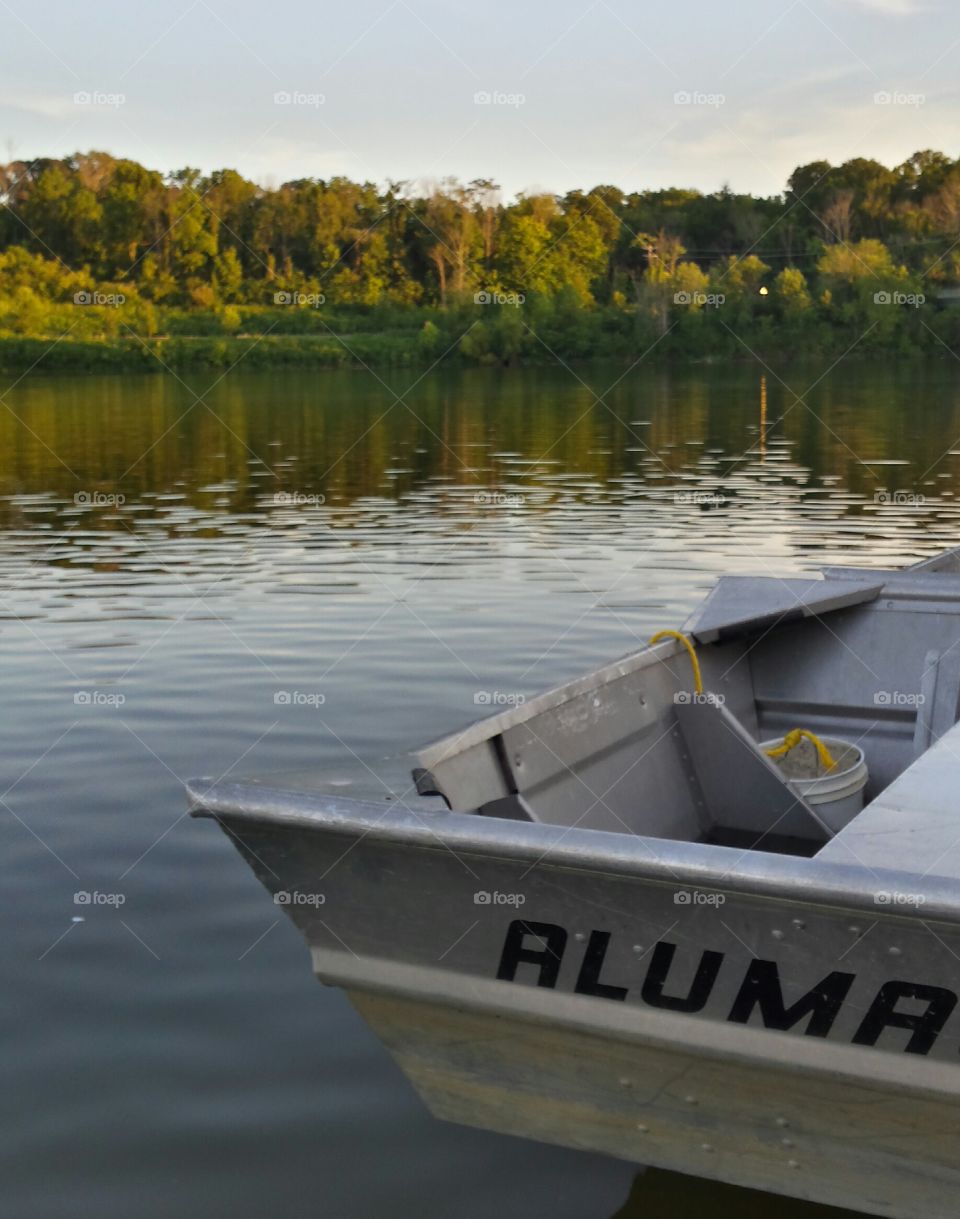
(617, 917)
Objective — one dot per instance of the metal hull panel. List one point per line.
(813, 1136)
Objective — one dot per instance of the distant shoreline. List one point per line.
(425, 345)
(160, 353)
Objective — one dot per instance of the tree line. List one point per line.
(844, 249)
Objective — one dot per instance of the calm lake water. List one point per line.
(398, 552)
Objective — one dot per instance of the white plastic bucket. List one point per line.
(835, 795)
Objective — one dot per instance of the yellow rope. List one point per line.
(793, 738)
(697, 679)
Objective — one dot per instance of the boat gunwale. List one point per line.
(672, 862)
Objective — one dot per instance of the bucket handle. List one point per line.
(793, 737)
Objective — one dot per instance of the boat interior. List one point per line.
(871, 658)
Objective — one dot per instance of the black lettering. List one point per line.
(660, 963)
(925, 1025)
(548, 956)
(761, 988)
(588, 983)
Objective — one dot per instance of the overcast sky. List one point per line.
(579, 92)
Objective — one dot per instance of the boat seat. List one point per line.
(939, 705)
(740, 605)
(913, 825)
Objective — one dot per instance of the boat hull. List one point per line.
(783, 1023)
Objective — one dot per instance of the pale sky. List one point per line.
(581, 91)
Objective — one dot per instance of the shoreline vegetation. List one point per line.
(105, 264)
